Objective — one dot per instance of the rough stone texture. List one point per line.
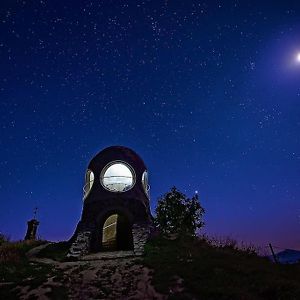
(117, 278)
(141, 233)
(108, 255)
(32, 226)
(81, 245)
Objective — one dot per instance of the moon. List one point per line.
(298, 57)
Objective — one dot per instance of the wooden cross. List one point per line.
(35, 212)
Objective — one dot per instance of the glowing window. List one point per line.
(117, 177)
(89, 180)
(145, 182)
(109, 235)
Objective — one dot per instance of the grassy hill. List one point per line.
(189, 269)
(182, 269)
(16, 271)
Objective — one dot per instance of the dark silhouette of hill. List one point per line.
(287, 256)
(194, 269)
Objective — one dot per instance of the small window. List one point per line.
(89, 180)
(117, 177)
(145, 183)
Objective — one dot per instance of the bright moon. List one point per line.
(298, 57)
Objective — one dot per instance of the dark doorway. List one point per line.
(117, 233)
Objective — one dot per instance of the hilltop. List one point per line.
(225, 272)
(170, 269)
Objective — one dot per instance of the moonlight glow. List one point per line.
(298, 57)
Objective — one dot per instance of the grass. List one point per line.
(17, 270)
(209, 270)
(55, 251)
(13, 252)
(224, 272)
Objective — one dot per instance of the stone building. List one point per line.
(116, 204)
(32, 226)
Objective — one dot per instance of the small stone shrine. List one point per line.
(32, 226)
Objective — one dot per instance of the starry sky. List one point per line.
(206, 92)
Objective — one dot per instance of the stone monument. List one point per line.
(32, 226)
(116, 204)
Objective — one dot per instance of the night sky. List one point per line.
(207, 93)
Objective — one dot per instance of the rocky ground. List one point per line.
(100, 278)
(183, 268)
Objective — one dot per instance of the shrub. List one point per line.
(178, 214)
(10, 253)
(230, 243)
(14, 252)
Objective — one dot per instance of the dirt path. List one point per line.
(120, 278)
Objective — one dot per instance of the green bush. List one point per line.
(178, 214)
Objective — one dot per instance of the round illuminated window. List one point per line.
(89, 180)
(117, 177)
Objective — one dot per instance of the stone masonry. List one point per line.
(132, 205)
(81, 245)
(141, 233)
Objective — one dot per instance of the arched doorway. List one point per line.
(116, 233)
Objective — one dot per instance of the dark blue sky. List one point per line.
(206, 92)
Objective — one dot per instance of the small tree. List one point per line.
(178, 214)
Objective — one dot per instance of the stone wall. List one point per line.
(32, 226)
(81, 245)
(141, 233)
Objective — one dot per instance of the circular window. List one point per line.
(145, 183)
(89, 180)
(117, 177)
